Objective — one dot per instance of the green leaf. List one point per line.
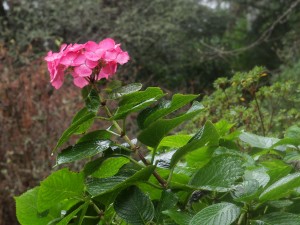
(276, 169)
(99, 186)
(124, 90)
(167, 201)
(207, 136)
(82, 150)
(246, 191)
(110, 167)
(27, 212)
(258, 141)
(137, 101)
(219, 174)
(153, 134)
(281, 188)
(95, 135)
(221, 213)
(134, 206)
(174, 141)
(278, 218)
(70, 216)
(180, 218)
(60, 185)
(92, 101)
(279, 204)
(78, 125)
(258, 174)
(223, 127)
(84, 126)
(293, 132)
(150, 115)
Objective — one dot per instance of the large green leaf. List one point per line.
(181, 218)
(221, 213)
(85, 125)
(82, 150)
(153, 134)
(134, 206)
(167, 201)
(258, 141)
(27, 212)
(150, 115)
(174, 141)
(281, 188)
(92, 101)
(246, 191)
(137, 101)
(80, 124)
(208, 136)
(95, 135)
(99, 186)
(276, 169)
(258, 174)
(60, 185)
(124, 90)
(219, 174)
(110, 167)
(278, 218)
(71, 215)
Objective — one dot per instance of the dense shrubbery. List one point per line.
(254, 102)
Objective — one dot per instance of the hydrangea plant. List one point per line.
(211, 177)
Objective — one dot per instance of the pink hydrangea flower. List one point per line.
(86, 62)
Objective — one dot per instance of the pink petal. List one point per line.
(80, 82)
(58, 78)
(108, 70)
(107, 43)
(122, 58)
(93, 56)
(91, 46)
(110, 55)
(83, 70)
(91, 64)
(79, 60)
(69, 58)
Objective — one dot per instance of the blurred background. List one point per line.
(180, 45)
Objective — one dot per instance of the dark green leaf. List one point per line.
(82, 150)
(221, 213)
(281, 188)
(153, 134)
(219, 174)
(92, 101)
(150, 115)
(167, 201)
(99, 186)
(134, 206)
(208, 135)
(137, 101)
(124, 90)
(293, 132)
(79, 125)
(71, 215)
(60, 185)
(95, 135)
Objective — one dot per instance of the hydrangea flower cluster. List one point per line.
(86, 62)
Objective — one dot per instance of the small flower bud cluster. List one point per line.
(86, 62)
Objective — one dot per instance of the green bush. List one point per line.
(251, 102)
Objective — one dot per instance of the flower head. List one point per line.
(87, 62)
